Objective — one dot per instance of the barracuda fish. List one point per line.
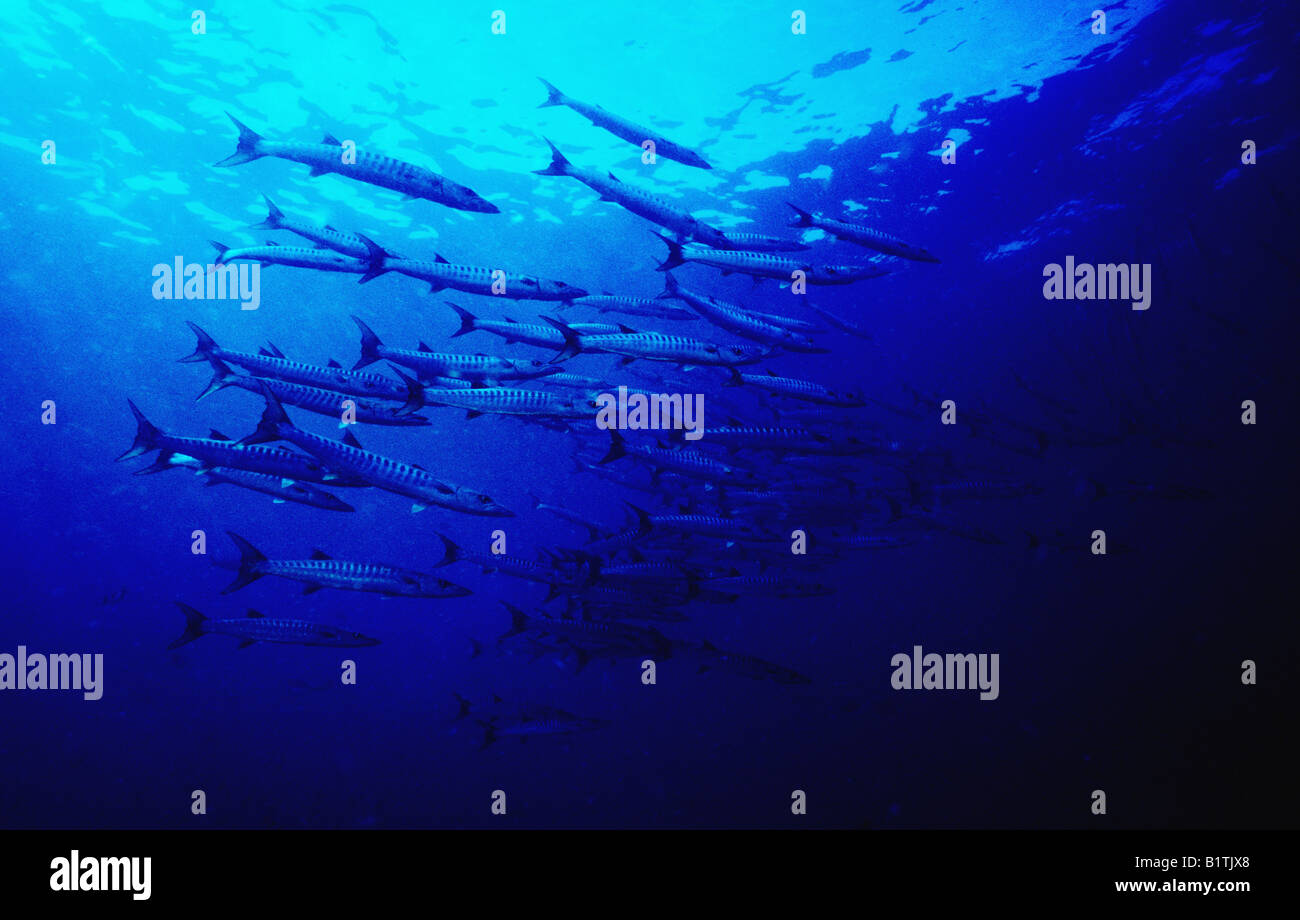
(283, 464)
(541, 335)
(863, 236)
(323, 235)
(322, 402)
(543, 573)
(758, 242)
(531, 722)
(512, 401)
(779, 438)
(621, 127)
(655, 346)
(473, 280)
(282, 490)
(584, 634)
(736, 319)
(431, 364)
(702, 525)
(744, 665)
(760, 265)
(256, 628)
(382, 472)
(641, 203)
(371, 168)
(632, 306)
(686, 462)
(323, 571)
(332, 377)
(838, 322)
(804, 390)
(324, 260)
(785, 322)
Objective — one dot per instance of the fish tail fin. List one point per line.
(553, 95)
(518, 620)
(221, 249)
(674, 258)
(146, 435)
(617, 448)
(735, 380)
(671, 287)
(414, 392)
(572, 343)
(559, 163)
(204, 347)
(450, 552)
(376, 258)
(803, 218)
(249, 557)
(221, 374)
(274, 215)
(463, 707)
(370, 345)
(193, 626)
(643, 522)
(467, 319)
(268, 426)
(245, 148)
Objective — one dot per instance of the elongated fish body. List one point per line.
(632, 306)
(211, 452)
(656, 346)
(382, 472)
(734, 663)
(430, 364)
(542, 335)
(785, 322)
(324, 260)
(804, 390)
(274, 486)
(640, 202)
(585, 631)
(758, 242)
(257, 628)
(316, 399)
(372, 168)
(337, 379)
(469, 278)
(738, 320)
(511, 401)
(321, 571)
(863, 236)
(708, 525)
(685, 462)
(621, 127)
(839, 322)
(765, 265)
(513, 566)
(282, 490)
(768, 437)
(350, 244)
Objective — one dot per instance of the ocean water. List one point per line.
(1119, 672)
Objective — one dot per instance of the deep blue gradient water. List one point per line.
(1118, 673)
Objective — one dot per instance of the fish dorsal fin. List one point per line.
(275, 351)
(420, 468)
(351, 440)
(770, 372)
(624, 328)
(613, 177)
(320, 554)
(509, 320)
(331, 229)
(331, 139)
(254, 615)
(272, 243)
(217, 435)
(265, 353)
(437, 257)
(334, 363)
(497, 699)
(423, 347)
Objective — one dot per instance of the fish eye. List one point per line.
(483, 500)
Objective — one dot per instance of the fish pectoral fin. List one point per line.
(311, 588)
(318, 171)
(418, 507)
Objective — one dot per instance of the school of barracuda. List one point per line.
(718, 515)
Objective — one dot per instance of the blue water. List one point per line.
(1118, 672)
